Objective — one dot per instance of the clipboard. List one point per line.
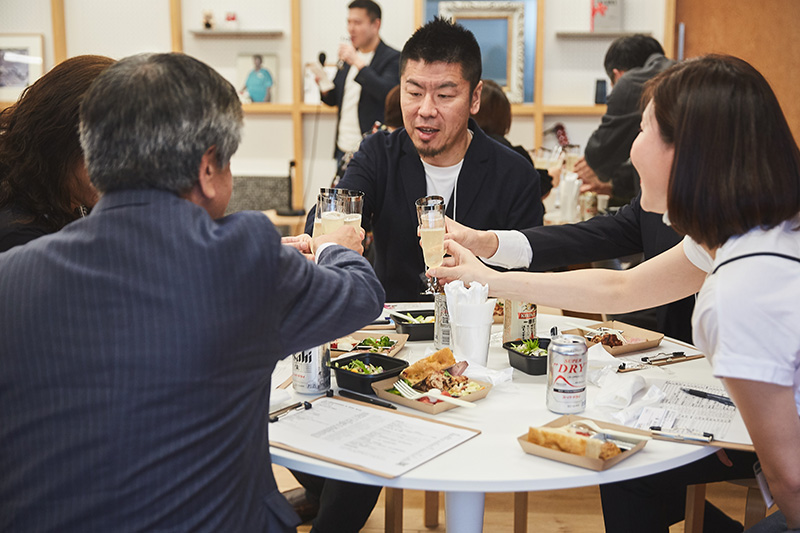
(662, 363)
(297, 445)
(666, 362)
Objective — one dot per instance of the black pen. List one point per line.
(663, 357)
(367, 399)
(280, 413)
(708, 396)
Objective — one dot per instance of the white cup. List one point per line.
(471, 342)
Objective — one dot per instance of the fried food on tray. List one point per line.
(568, 439)
(419, 371)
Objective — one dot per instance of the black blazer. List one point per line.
(376, 80)
(632, 230)
(496, 189)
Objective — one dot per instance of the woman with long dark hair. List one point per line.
(43, 179)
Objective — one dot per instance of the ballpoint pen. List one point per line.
(663, 357)
(366, 399)
(280, 413)
(709, 396)
(677, 435)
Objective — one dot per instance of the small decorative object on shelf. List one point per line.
(231, 22)
(606, 16)
(208, 19)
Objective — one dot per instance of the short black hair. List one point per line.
(373, 9)
(444, 41)
(630, 52)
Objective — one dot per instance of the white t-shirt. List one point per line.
(747, 314)
(349, 128)
(441, 181)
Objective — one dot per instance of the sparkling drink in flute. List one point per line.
(430, 214)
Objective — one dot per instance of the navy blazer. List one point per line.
(376, 80)
(496, 189)
(137, 346)
(631, 230)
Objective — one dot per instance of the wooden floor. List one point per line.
(564, 511)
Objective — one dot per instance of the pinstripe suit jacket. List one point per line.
(136, 347)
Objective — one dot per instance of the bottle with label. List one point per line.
(519, 321)
(441, 327)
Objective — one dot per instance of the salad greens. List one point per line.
(529, 347)
(359, 367)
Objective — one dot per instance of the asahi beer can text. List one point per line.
(566, 374)
(311, 370)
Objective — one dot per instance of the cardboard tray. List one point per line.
(400, 341)
(380, 388)
(651, 338)
(577, 460)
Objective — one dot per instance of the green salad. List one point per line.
(359, 367)
(529, 347)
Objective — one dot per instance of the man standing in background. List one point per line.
(368, 69)
(606, 168)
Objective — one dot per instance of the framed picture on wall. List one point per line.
(499, 29)
(255, 77)
(21, 63)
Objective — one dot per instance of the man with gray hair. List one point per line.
(138, 343)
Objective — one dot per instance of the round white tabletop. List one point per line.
(494, 460)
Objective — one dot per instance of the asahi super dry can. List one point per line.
(311, 370)
(566, 374)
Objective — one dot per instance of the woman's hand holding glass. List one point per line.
(461, 265)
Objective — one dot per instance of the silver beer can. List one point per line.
(441, 326)
(311, 370)
(566, 374)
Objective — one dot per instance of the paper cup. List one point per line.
(471, 343)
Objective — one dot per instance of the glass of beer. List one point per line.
(572, 153)
(351, 203)
(430, 214)
(329, 216)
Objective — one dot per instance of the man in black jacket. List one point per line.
(605, 168)
(368, 69)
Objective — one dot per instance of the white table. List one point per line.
(494, 461)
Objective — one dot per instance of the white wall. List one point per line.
(116, 29)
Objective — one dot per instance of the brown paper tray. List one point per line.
(400, 339)
(651, 338)
(380, 388)
(577, 460)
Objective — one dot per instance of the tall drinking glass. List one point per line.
(572, 153)
(430, 214)
(351, 204)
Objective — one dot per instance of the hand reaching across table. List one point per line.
(347, 236)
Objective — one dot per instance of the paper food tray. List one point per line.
(399, 338)
(381, 388)
(577, 460)
(651, 338)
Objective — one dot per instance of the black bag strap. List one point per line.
(775, 254)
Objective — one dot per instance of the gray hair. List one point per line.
(148, 119)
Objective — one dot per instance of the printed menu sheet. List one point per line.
(690, 414)
(378, 441)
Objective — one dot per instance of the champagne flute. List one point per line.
(430, 214)
(351, 204)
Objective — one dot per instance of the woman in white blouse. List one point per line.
(716, 153)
